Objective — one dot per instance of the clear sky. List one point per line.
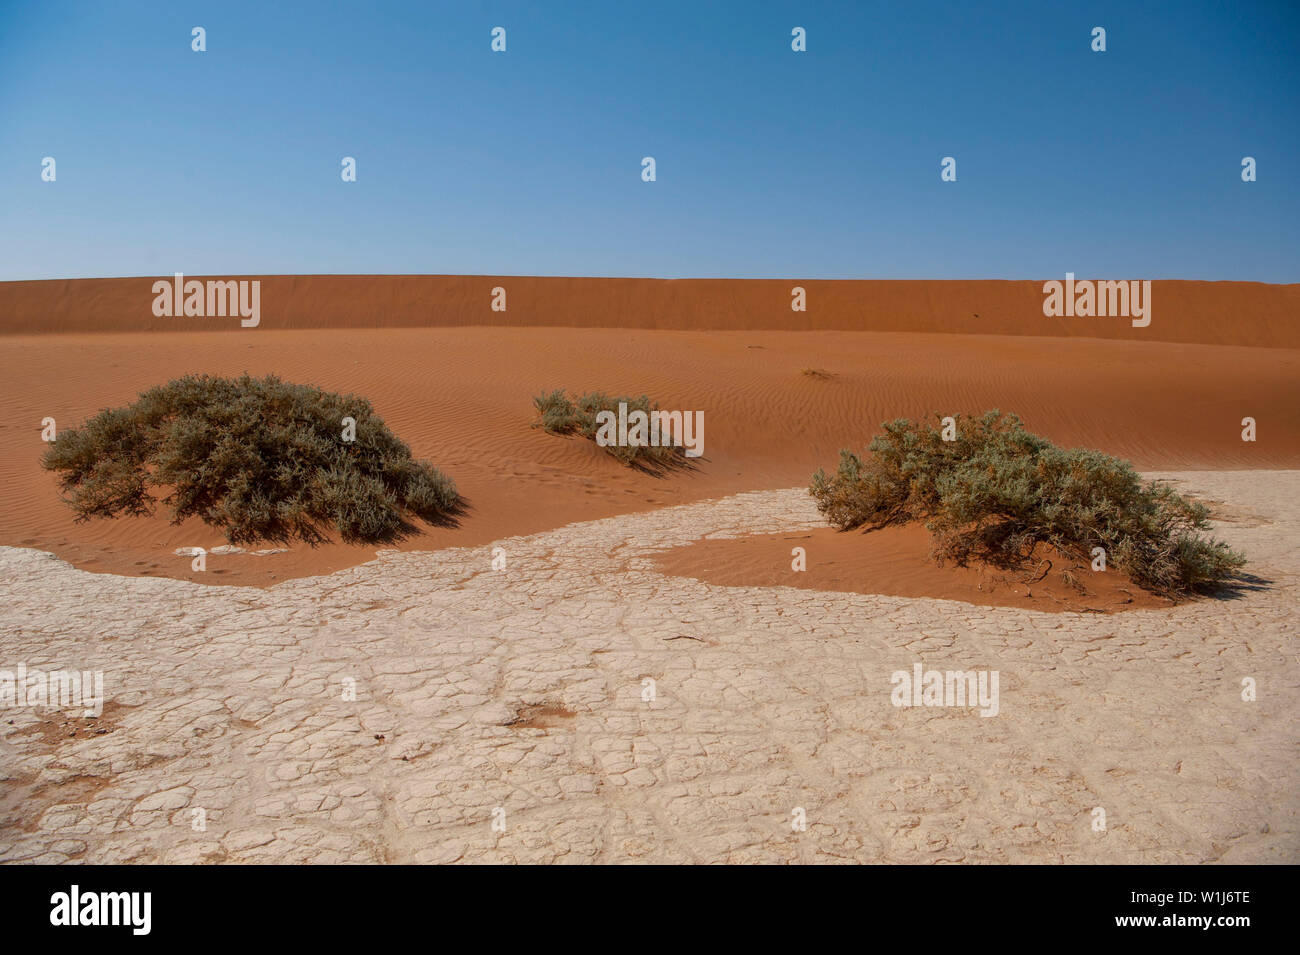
(770, 163)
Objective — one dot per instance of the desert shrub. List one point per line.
(560, 414)
(998, 491)
(261, 458)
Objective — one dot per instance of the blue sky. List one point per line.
(770, 163)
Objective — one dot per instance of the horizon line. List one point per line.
(614, 278)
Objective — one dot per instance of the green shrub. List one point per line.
(559, 414)
(997, 491)
(261, 458)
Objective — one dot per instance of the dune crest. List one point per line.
(1220, 313)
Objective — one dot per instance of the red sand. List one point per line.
(461, 396)
(1221, 313)
(895, 561)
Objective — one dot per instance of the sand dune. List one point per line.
(1227, 313)
(462, 398)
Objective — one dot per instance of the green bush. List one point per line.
(997, 491)
(559, 414)
(262, 458)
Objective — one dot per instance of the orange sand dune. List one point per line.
(1229, 313)
(462, 398)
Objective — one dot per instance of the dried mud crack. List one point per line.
(611, 713)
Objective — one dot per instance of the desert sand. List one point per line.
(522, 688)
(896, 562)
(1213, 313)
(462, 398)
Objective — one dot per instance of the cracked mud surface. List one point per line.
(522, 689)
